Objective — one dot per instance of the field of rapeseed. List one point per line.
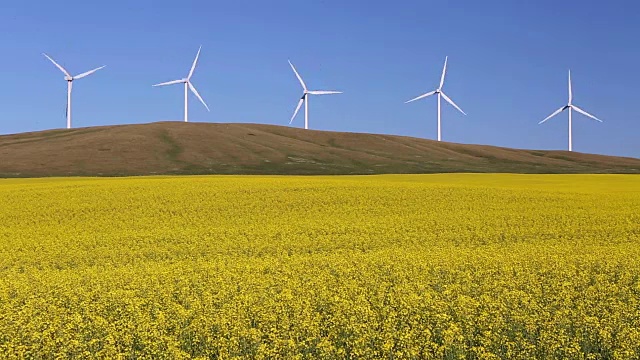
(397, 267)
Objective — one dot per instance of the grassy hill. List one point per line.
(205, 148)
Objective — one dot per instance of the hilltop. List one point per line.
(211, 148)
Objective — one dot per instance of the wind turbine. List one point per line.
(188, 86)
(305, 98)
(440, 94)
(70, 80)
(571, 107)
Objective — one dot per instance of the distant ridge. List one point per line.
(212, 148)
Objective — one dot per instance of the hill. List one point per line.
(206, 148)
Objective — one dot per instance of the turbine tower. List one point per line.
(305, 98)
(188, 86)
(440, 94)
(571, 107)
(69, 79)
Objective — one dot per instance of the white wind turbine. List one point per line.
(571, 107)
(305, 98)
(70, 80)
(440, 94)
(188, 86)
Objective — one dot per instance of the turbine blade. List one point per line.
(323, 92)
(584, 113)
(181, 81)
(85, 74)
(570, 90)
(195, 61)
(421, 97)
(552, 115)
(57, 65)
(193, 89)
(444, 71)
(451, 102)
(304, 86)
(297, 109)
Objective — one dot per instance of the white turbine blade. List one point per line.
(85, 74)
(451, 102)
(195, 61)
(570, 91)
(584, 113)
(57, 65)
(193, 89)
(552, 115)
(323, 92)
(304, 86)
(181, 81)
(444, 71)
(297, 109)
(421, 97)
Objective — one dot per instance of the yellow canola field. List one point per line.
(399, 266)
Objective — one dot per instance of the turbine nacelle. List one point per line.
(68, 78)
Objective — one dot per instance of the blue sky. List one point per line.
(508, 63)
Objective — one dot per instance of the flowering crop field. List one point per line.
(395, 266)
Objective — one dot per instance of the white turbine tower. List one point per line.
(305, 98)
(188, 86)
(571, 107)
(440, 94)
(70, 80)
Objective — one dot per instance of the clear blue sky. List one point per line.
(508, 63)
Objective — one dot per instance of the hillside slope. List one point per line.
(205, 148)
